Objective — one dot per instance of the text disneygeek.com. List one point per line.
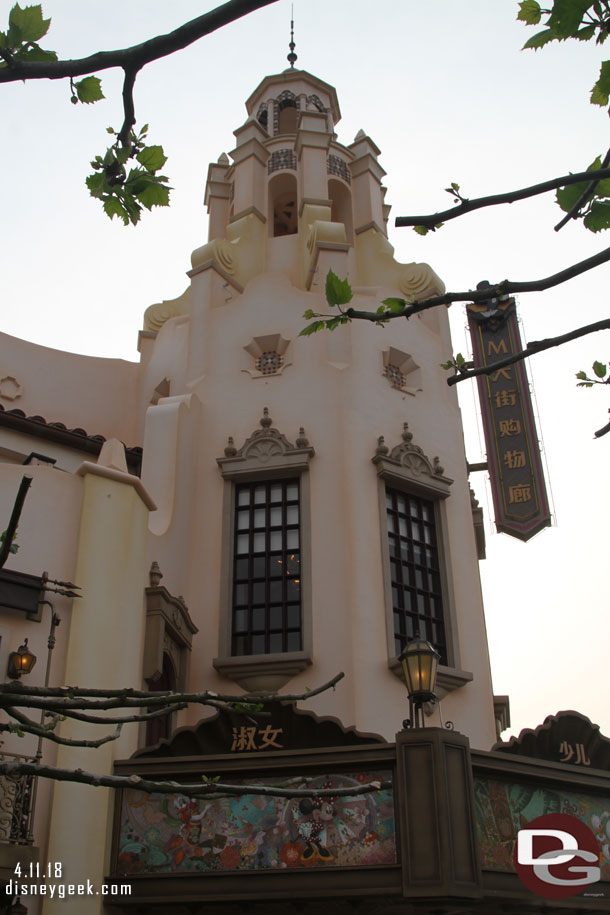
(66, 890)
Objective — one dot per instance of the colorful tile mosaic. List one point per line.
(281, 158)
(269, 362)
(175, 834)
(394, 376)
(337, 166)
(502, 808)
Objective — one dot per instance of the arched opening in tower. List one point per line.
(283, 205)
(341, 207)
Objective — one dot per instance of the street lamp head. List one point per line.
(20, 662)
(419, 661)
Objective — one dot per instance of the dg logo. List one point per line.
(556, 856)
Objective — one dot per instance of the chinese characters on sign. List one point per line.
(573, 753)
(253, 738)
(515, 469)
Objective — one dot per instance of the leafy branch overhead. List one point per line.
(122, 193)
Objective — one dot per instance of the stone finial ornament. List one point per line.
(155, 575)
(230, 450)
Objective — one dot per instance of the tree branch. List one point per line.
(30, 727)
(536, 346)
(15, 691)
(137, 56)
(477, 203)
(125, 719)
(506, 287)
(584, 197)
(128, 105)
(135, 783)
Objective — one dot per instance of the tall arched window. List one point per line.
(341, 210)
(283, 209)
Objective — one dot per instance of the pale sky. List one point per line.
(447, 95)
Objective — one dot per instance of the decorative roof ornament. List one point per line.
(292, 56)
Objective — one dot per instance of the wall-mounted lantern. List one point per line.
(20, 662)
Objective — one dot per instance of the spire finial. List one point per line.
(292, 56)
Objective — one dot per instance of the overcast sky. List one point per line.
(446, 93)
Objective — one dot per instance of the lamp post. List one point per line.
(419, 661)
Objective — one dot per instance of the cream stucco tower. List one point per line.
(312, 493)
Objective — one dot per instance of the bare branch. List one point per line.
(584, 197)
(506, 287)
(477, 203)
(17, 693)
(536, 346)
(30, 727)
(128, 105)
(211, 789)
(603, 431)
(125, 719)
(136, 57)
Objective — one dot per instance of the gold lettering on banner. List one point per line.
(505, 398)
(514, 459)
(519, 493)
(509, 427)
(497, 348)
(505, 373)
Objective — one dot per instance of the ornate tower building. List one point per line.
(313, 504)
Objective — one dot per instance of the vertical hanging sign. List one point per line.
(517, 480)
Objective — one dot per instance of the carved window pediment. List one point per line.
(267, 450)
(408, 462)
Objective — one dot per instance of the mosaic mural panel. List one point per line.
(175, 834)
(502, 808)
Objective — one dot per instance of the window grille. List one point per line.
(266, 600)
(417, 601)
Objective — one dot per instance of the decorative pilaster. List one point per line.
(218, 197)
(367, 175)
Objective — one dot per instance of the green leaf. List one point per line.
(311, 329)
(455, 186)
(587, 33)
(421, 230)
(114, 207)
(581, 375)
(394, 304)
(566, 17)
(567, 196)
(529, 12)
(338, 292)
(94, 183)
(27, 24)
(153, 195)
(600, 369)
(34, 52)
(598, 217)
(540, 39)
(310, 313)
(89, 90)
(601, 90)
(584, 384)
(152, 158)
